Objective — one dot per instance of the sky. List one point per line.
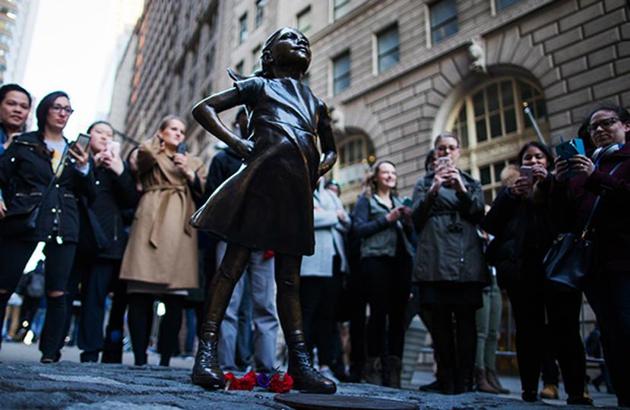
(75, 48)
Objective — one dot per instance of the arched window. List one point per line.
(492, 126)
(355, 155)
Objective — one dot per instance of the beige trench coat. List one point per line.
(162, 247)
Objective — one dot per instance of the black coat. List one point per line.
(25, 174)
(524, 231)
(224, 164)
(105, 227)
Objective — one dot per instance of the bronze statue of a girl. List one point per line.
(268, 203)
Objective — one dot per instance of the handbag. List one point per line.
(20, 222)
(570, 257)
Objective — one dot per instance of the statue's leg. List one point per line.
(206, 371)
(305, 377)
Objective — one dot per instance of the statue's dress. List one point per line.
(268, 203)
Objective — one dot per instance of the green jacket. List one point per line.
(378, 236)
(449, 248)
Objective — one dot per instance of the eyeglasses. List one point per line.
(605, 123)
(59, 108)
(443, 148)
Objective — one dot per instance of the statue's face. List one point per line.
(291, 48)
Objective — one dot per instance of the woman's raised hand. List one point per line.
(561, 169)
(581, 164)
(521, 187)
(539, 172)
(394, 214)
(181, 162)
(114, 163)
(80, 155)
(454, 179)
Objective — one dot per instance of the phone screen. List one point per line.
(526, 171)
(83, 140)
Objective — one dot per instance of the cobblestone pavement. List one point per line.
(27, 384)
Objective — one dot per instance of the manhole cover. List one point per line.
(307, 401)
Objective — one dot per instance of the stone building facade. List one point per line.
(559, 56)
(397, 72)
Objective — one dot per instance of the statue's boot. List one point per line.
(206, 371)
(305, 377)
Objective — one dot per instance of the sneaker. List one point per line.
(550, 391)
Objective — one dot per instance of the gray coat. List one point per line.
(449, 249)
(329, 239)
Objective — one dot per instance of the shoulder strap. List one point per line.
(587, 226)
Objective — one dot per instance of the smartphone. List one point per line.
(83, 140)
(526, 171)
(443, 162)
(114, 148)
(181, 148)
(568, 149)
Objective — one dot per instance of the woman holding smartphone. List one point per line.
(605, 174)
(160, 261)
(546, 319)
(383, 224)
(103, 236)
(42, 176)
(449, 269)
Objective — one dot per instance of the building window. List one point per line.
(460, 126)
(304, 20)
(501, 4)
(341, 73)
(260, 12)
(388, 48)
(256, 58)
(490, 178)
(492, 126)
(352, 152)
(443, 20)
(242, 29)
(340, 8)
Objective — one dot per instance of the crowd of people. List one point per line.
(120, 227)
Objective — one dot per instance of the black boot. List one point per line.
(463, 380)
(305, 377)
(206, 371)
(373, 371)
(392, 366)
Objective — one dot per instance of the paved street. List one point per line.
(25, 383)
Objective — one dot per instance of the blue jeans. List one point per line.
(265, 318)
(488, 319)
